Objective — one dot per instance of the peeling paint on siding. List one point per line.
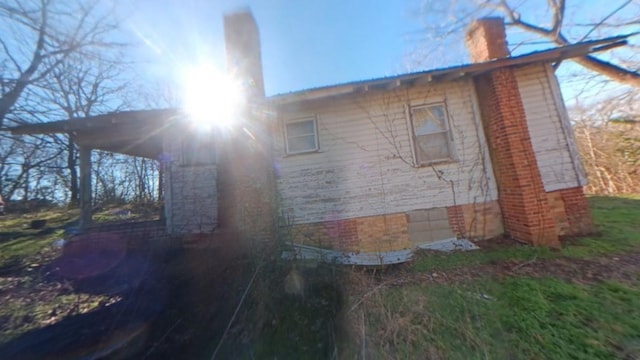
(361, 168)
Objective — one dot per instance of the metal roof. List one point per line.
(453, 72)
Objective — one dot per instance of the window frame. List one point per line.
(315, 134)
(413, 137)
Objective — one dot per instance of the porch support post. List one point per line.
(85, 186)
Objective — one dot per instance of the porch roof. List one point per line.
(136, 133)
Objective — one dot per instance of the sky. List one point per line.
(304, 43)
(307, 44)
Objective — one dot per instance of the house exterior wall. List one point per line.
(361, 191)
(190, 191)
(555, 148)
(559, 167)
(357, 172)
(363, 169)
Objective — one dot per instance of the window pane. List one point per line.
(427, 120)
(300, 128)
(302, 143)
(432, 147)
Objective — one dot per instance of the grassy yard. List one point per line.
(506, 301)
(511, 302)
(21, 246)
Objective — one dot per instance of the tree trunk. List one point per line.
(74, 187)
(25, 169)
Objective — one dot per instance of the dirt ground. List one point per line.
(623, 268)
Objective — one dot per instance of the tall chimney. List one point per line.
(487, 40)
(248, 200)
(242, 43)
(521, 194)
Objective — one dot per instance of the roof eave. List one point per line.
(92, 122)
(451, 73)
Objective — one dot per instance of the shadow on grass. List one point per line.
(173, 303)
(137, 282)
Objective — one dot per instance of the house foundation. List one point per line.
(393, 232)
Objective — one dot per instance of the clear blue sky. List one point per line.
(304, 43)
(308, 43)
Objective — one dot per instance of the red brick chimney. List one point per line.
(486, 39)
(242, 45)
(246, 181)
(523, 200)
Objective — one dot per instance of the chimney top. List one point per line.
(486, 39)
(242, 43)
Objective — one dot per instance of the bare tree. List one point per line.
(608, 136)
(19, 159)
(554, 22)
(81, 88)
(39, 35)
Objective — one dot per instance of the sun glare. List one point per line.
(211, 97)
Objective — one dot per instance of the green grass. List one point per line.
(512, 317)
(438, 261)
(617, 220)
(20, 245)
(519, 318)
(29, 302)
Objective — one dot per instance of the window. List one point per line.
(301, 135)
(431, 138)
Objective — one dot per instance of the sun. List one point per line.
(211, 97)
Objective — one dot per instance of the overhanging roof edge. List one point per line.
(549, 55)
(87, 123)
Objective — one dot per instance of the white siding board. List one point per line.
(549, 139)
(566, 125)
(355, 173)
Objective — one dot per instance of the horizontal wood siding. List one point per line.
(361, 168)
(548, 137)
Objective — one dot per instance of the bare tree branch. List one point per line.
(554, 29)
(59, 29)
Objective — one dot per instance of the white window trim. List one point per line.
(299, 120)
(449, 137)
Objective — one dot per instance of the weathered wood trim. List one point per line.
(412, 141)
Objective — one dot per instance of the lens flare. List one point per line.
(211, 97)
